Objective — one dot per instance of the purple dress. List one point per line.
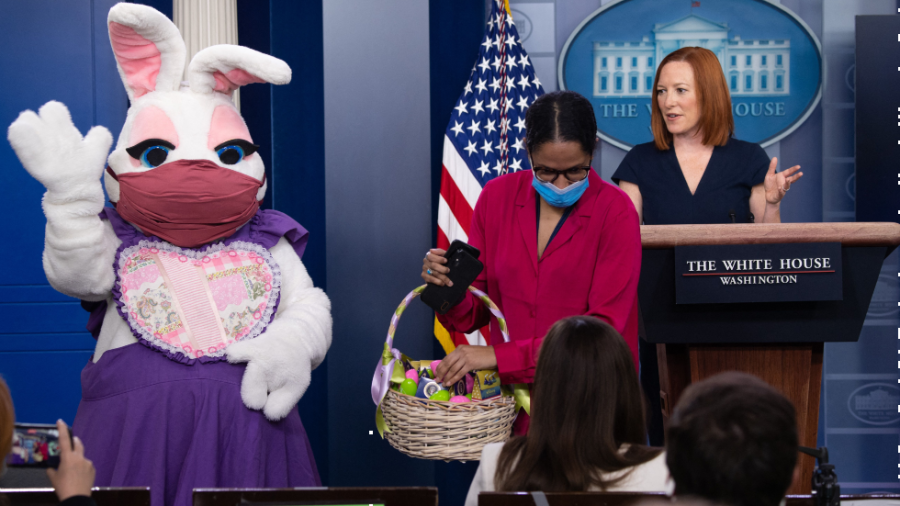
(149, 417)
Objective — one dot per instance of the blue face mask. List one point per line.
(556, 197)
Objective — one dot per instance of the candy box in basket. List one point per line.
(485, 384)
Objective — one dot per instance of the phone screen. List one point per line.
(34, 445)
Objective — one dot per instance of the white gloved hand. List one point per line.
(54, 152)
(278, 370)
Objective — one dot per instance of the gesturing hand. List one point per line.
(777, 184)
(53, 151)
(75, 475)
(462, 360)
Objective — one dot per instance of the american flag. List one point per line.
(486, 134)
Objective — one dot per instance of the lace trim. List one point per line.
(141, 333)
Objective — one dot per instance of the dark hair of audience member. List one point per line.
(586, 403)
(561, 116)
(733, 440)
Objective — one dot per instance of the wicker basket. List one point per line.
(438, 430)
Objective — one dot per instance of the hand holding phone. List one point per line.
(75, 474)
(463, 267)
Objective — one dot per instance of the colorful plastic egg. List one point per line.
(408, 387)
(442, 395)
(459, 399)
(412, 375)
(434, 365)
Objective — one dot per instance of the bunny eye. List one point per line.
(151, 152)
(154, 156)
(233, 151)
(231, 155)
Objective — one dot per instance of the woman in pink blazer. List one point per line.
(556, 241)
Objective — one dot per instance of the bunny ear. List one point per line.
(149, 49)
(225, 68)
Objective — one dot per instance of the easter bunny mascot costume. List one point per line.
(207, 322)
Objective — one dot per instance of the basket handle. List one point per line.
(395, 319)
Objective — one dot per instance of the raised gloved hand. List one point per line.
(54, 152)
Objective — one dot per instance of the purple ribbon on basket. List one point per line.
(381, 381)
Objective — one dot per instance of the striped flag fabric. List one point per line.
(485, 137)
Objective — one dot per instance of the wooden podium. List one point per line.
(782, 342)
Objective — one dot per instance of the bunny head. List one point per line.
(170, 121)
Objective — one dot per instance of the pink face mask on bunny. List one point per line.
(185, 168)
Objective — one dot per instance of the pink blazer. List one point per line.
(591, 267)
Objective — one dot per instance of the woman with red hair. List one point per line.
(695, 171)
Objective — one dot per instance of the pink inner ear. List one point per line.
(139, 58)
(226, 124)
(152, 123)
(233, 79)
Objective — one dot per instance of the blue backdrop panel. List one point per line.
(60, 341)
(862, 424)
(877, 151)
(874, 353)
(45, 386)
(858, 472)
(858, 421)
(804, 146)
(163, 6)
(379, 220)
(31, 293)
(43, 317)
(298, 170)
(52, 51)
(48, 47)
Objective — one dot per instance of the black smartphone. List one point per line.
(36, 445)
(462, 259)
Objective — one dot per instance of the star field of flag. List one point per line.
(487, 126)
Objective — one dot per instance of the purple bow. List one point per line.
(381, 381)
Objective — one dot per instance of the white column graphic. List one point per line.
(205, 23)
